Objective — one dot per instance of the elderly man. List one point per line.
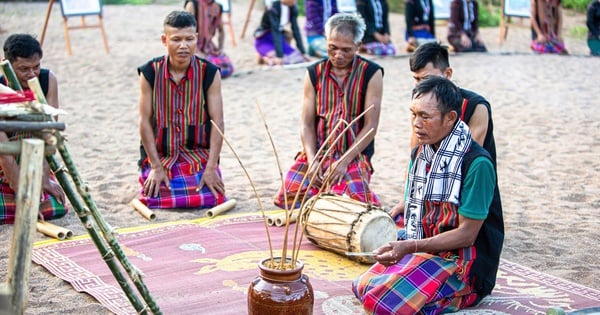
(448, 257)
(336, 89)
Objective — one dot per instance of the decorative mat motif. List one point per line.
(206, 266)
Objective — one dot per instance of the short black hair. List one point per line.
(21, 46)
(433, 52)
(180, 19)
(447, 93)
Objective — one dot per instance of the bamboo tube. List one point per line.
(226, 206)
(49, 229)
(142, 209)
(280, 220)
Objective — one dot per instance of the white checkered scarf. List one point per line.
(443, 181)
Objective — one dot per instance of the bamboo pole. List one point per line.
(226, 206)
(58, 232)
(11, 77)
(28, 204)
(13, 126)
(142, 209)
(14, 148)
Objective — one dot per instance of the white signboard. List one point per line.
(517, 8)
(80, 7)
(346, 6)
(441, 9)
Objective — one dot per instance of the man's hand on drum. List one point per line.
(318, 179)
(393, 252)
(397, 210)
(337, 171)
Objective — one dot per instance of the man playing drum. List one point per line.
(449, 256)
(180, 94)
(338, 88)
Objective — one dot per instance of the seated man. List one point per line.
(337, 89)
(24, 53)
(377, 40)
(209, 19)
(463, 27)
(270, 40)
(420, 23)
(449, 254)
(593, 25)
(317, 13)
(179, 96)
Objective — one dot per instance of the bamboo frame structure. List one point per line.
(102, 235)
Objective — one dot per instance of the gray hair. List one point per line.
(347, 24)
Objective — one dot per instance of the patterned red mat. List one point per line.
(205, 267)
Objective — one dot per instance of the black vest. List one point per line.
(491, 235)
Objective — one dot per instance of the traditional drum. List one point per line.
(344, 225)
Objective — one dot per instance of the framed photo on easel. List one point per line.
(441, 9)
(518, 8)
(80, 7)
(512, 8)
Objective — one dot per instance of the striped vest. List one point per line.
(182, 124)
(335, 102)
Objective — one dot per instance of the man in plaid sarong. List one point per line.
(180, 95)
(24, 53)
(337, 90)
(449, 250)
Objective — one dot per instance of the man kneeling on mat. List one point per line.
(180, 94)
(448, 256)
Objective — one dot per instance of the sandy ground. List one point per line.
(545, 111)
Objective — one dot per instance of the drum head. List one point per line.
(373, 230)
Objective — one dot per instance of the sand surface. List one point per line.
(545, 111)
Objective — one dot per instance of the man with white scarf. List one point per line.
(451, 248)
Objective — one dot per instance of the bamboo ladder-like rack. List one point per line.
(37, 117)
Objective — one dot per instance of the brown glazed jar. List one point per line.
(280, 292)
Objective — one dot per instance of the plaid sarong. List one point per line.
(420, 283)
(551, 46)
(49, 207)
(380, 49)
(355, 186)
(184, 180)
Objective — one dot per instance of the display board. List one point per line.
(441, 9)
(520, 8)
(81, 7)
(346, 6)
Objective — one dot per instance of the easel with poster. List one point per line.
(74, 8)
(512, 8)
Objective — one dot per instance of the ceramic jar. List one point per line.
(280, 292)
